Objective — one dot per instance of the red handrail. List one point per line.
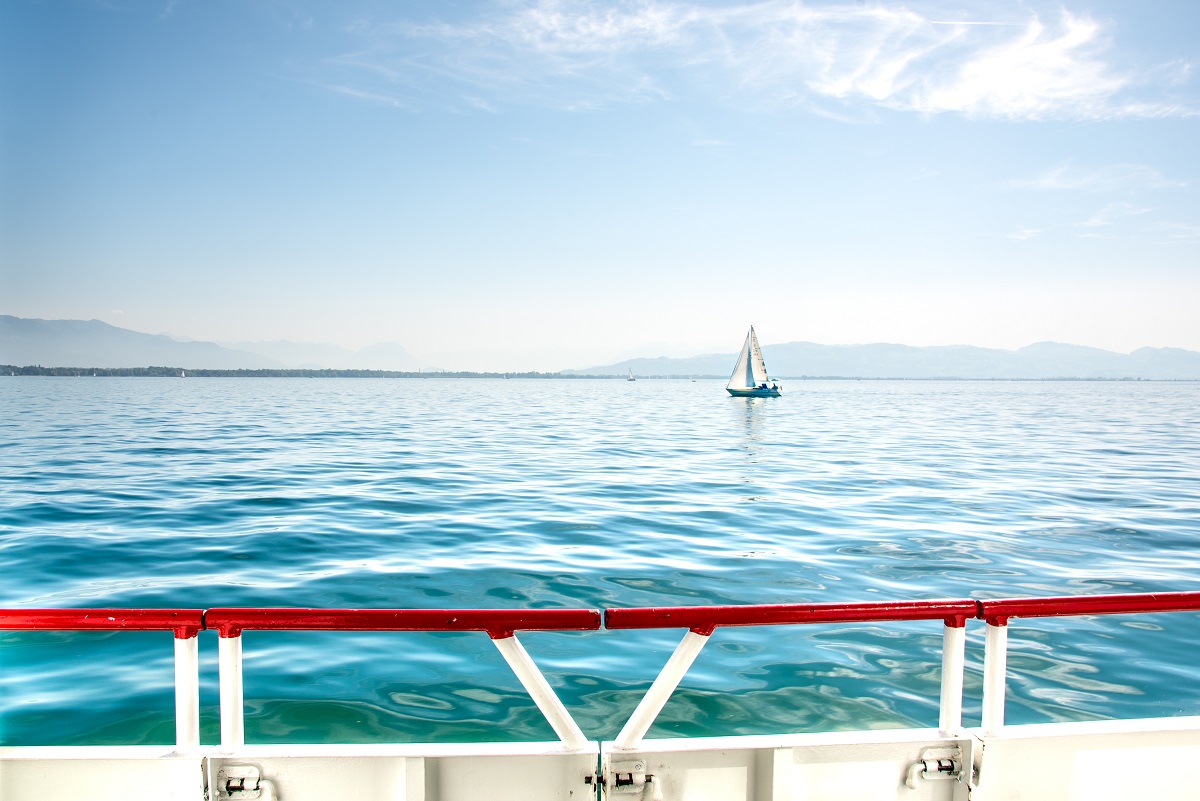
(703, 619)
(498, 623)
(998, 612)
(186, 623)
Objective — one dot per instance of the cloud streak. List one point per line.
(1110, 178)
(578, 53)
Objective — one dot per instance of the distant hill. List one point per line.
(1042, 360)
(92, 343)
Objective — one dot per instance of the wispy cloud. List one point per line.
(1113, 213)
(381, 98)
(587, 54)
(1021, 234)
(1109, 178)
(1177, 231)
(1116, 220)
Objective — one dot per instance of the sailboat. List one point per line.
(631, 378)
(749, 379)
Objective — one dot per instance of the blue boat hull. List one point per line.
(753, 392)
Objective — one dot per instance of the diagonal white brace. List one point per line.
(539, 690)
(660, 691)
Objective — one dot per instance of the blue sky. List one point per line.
(546, 185)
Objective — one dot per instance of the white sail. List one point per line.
(743, 374)
(750, 373)
(758, 367)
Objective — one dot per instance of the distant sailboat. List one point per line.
(182, 374)
(749, 379)
(631, 378)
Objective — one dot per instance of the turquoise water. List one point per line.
(589, 493)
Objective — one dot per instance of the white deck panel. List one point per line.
(495, 771)
(1097, 761)
(803, 767)
(100, 773)
(1120, 760)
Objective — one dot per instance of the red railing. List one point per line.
(501, 625)
(186, 623)
(503, 622)
(498, 623)
(703, 619)
(998, 612)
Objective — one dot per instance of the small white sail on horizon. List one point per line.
(749, 378)
(631, 378)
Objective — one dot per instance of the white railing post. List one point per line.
(539, 690)
(660, 691)
(995, 667)
(954, 644)
(187, 692)
(229, 656)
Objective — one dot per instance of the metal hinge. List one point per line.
(935, 764)
(239, 781)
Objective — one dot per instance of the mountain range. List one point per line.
(1043, 360)
(92, 343)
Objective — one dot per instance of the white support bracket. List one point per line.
(187, 693)
(542, 693)
(954, 640)
(660, 691)
(995, 670)
(229, 658)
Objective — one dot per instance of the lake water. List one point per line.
(197, 493)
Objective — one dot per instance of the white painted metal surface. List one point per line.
(540, 691)
(812, 767)
(496, 772)
(995, 668)
(187, 692)
(954, 646)
(660, 691)
(100, 773)
(229, 661)
(1112, 760)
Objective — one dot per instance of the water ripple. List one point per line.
(445, 493)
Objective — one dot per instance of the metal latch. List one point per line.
(239, 781)
(626, 778)
(935, 764)
(630, 778)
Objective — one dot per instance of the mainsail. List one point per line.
(750, 370)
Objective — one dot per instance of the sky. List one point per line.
(555, 184)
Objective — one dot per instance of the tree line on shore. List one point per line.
(176, 372)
